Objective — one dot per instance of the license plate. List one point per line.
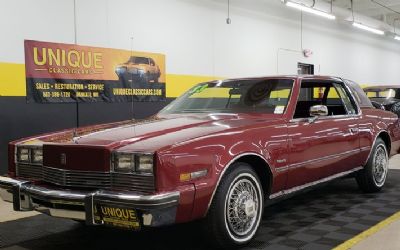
(117, 216)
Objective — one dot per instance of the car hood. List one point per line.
(162, 131)
(384, 101)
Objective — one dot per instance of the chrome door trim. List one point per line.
(328, 157)
(310, 184)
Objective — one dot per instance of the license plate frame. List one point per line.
(117, 216)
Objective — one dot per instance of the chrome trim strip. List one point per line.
(53, 194)
(365, 148)
(359, 110)
(326, 179)
(134, 199)
(323, 118)
(328, 157)
(9, 181)
(148, 200)
(224, 170)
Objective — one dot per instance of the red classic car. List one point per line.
(218, 153)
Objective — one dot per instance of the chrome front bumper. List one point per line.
(155, 210)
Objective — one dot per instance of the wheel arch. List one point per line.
(384, 135)
(260, 166)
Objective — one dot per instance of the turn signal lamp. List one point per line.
(193, 175)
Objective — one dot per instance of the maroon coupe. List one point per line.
(218, 153)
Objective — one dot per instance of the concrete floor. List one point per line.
(7, 213)
(387, 238)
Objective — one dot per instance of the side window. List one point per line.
(344, 96)
(333, 97)
(358, 92)
(331, 94)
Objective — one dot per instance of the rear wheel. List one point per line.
(373, 177)
(236, 211)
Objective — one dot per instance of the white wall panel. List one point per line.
(45, 20)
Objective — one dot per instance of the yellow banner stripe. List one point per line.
(13, 83)
(177, 84)
(12, 79)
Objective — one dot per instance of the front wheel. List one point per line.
(236, 211)
(373, 177)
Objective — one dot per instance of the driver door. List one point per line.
(327, 145)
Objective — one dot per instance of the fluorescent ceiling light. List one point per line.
(397, 38)
(310, 10)
(363, 27)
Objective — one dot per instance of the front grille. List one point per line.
(83, 179)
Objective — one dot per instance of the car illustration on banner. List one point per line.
(219, 153)
(385, 96)
(138, 69)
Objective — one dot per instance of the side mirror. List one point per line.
(318, 110)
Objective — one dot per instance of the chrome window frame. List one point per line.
(330, 117)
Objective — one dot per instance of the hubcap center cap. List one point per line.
(250, 208)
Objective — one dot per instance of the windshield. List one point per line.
(381, 93)
(138, 60)
(268, 96)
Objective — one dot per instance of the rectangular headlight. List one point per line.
(23, 154)
(124, 163)
(37, 155)
(145, 163)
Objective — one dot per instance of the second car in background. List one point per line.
(138, 69)
(385, 97)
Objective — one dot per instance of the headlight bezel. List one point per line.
(31, 152)
(144, 170)
(136, 165)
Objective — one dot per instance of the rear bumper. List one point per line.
(155, 210)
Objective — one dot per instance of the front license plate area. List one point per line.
(116, 216)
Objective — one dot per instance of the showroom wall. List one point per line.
(264, 38)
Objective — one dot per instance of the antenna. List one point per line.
(132, 101)
(77, 113)
(74, 93)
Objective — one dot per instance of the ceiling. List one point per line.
(373, 8)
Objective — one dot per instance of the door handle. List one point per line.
(353, 130)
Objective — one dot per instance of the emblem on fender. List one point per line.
(63, 159)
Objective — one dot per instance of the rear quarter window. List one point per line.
(359, 94)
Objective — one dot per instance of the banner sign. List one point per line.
(57, 72)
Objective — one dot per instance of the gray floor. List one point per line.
(388, 238)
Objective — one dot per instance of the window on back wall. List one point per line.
(305, 69)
